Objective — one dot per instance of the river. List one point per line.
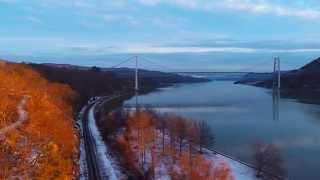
(242, 115)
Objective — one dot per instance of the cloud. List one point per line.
(9, 1)
(269, 8)
(303, 50)
(184, 3)
(92, 47)
(121, 18)
(33, 19)
(103, 48)
(172, 23)
(165, 50)
(248, 6)
(172, 49)
(69, 3)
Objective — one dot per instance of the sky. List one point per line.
(191, 35)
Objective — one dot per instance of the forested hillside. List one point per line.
(94, 81)
(87, 82)
(37, 135)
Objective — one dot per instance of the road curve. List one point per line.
(90, 147)
(93, 169)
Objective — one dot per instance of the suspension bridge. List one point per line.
(276, 91)
(139, 62)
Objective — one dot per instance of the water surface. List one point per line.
(241, 115)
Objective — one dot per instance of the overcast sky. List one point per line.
(183, 34)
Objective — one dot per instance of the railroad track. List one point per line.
(90, 147)
(94, 171)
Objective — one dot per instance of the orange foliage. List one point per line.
(141, 128)
(141, 138)
(200, 168)
(223, 172)
(46, 145)
(8, 105)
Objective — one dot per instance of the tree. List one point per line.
(141, 128)
(161, 124)
(192, 138)
(95, 68)
(268, 161)
(170, 120)
(181, 131)
(205, 135)
(24, 153)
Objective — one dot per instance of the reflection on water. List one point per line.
(198, 109)
(275, 103)
(241, 115)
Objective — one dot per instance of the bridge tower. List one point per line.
(276, 73)
(136, 82)
(276, 88)
(136, 88)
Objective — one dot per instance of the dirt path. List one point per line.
(23, 116)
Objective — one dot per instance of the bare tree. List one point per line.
(161, 124)
(268, 161)
(171, 125)
(182, 131)
(205, 135)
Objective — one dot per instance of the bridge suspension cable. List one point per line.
(152, 61)
(251, 68)
(123, 62)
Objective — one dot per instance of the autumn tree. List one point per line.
(145, 134)
(8, 109)
(46, 144)
(181, 131)
(142, 124)
(162, 125)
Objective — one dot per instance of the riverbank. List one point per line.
(216, 161)
(241, 116)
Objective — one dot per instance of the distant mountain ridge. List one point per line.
(312, 67)
(305, 78)
(96, 81)
(302, 84)
(254, 78)
(124, 72)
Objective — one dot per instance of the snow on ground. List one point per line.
(111, 170)
(82, 160)
(22, 116)
(239, 171)
(162, 171)
(107, 165)
(165, 164)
